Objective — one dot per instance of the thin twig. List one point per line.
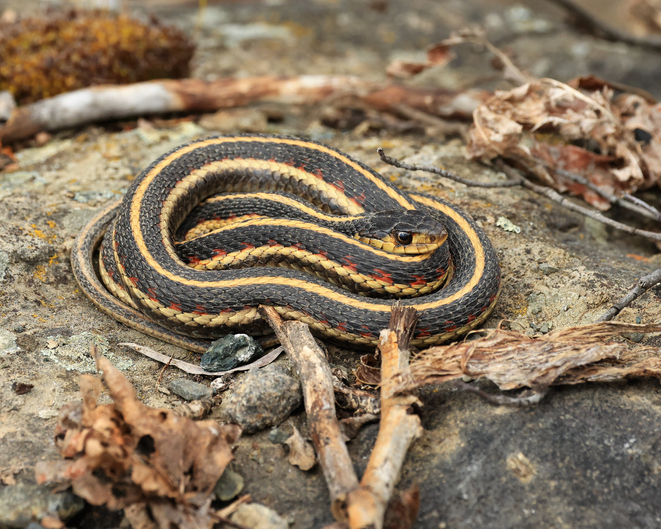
(398, 428)
(517, 179)
(588, 22)
(317, 382)
(442, 172)
(643, 285)
(627, 201)
(565, 202)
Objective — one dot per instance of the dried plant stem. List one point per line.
(517, 179)
(643, 285)
(317, 381)
(565, 202)
(398, 428)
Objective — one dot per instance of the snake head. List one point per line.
(403, 232)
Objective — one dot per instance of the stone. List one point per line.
(265, 397)
(258, 516)
(189, 390)
(24, 503)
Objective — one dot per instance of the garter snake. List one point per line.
(154, 291)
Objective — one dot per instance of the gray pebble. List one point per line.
(231, 351)
(265, 397)
(278, 436)
(547, 269)
(189, 390)
(25, 503)
(4, 265)
(8, 345)
(229, 485)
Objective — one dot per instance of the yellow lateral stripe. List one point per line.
(287, 223)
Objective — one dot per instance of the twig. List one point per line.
(317, 381)
(627, 201)
(398, 428)
(196, 370)
(442, 172)
(104, 103)
(563, 201)
(517, 179)
(643, 285)
(585, 20)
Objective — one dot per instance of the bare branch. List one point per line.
(643, 285)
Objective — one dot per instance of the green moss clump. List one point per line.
(43, 57)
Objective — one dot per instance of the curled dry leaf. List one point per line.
(301, 452)
(513, 360)
(369, 372)
(126, 453)
(583, 128)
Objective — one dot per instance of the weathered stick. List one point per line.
(317, 381)
(643, 285)
(103, 103)
(366, 506)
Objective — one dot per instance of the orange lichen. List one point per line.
(45, 56)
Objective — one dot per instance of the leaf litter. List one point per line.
(151, 462)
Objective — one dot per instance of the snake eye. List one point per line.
(404, 237)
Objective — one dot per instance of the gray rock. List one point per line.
(230, 351)
(264, 398)
(189, 390)
(25, 503)
(278, 436)
(547, 269)
(229, 485)
(258, 516)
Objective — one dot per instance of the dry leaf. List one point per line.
(301, 452)
(126, 453)
(369, 371)
(582, 128)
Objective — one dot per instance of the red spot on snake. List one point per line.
(225, 311)
(450, 326)
(317, 172)
(339, 185)
(422, 333)
(175, 306)
(471, 317)
(299, 246)
(382, 276)
(152, 294)
(194, 260)
(134, 280)
(218, 252)
(200, 310)
(419, 282)
(248, 246)
(359, 199)
(342, 326)
(290, 162)
(350, 264)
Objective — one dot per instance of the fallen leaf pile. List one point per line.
(567, 134)
(513, 360)
(145, 460)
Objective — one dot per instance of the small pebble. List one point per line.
(189, 390)
(278, 436)
(547, 269)
(265, 397)
(229, 485)
(230, 351)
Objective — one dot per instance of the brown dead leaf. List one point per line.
(369, 371)
(437, 55)
(126, 453)
(301, 453)
(513, 360)
(582, 128)
(403, 509)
